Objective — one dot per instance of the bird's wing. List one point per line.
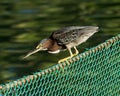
(67, 35)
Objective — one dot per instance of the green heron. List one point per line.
(66, 38)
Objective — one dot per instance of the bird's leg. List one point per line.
(71, 54)
(76, 51)
(64, 59)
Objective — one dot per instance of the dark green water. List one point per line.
(23, 23)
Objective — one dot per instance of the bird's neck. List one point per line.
(52, 45)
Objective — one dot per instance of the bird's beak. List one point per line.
(38, 48)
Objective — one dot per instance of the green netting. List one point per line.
(95, 72)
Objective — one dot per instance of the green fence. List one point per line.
(95, 72)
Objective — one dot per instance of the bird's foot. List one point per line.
(74, 54)
(65, 59)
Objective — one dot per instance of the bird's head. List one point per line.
(41, 46)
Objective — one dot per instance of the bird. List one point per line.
(65, 38)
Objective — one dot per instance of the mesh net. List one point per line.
(95, 72)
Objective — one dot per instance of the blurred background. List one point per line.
(23, 23)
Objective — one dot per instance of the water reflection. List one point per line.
(25, 23)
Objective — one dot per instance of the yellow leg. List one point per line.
(64, 59)
(71, 55)
(76, 51)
